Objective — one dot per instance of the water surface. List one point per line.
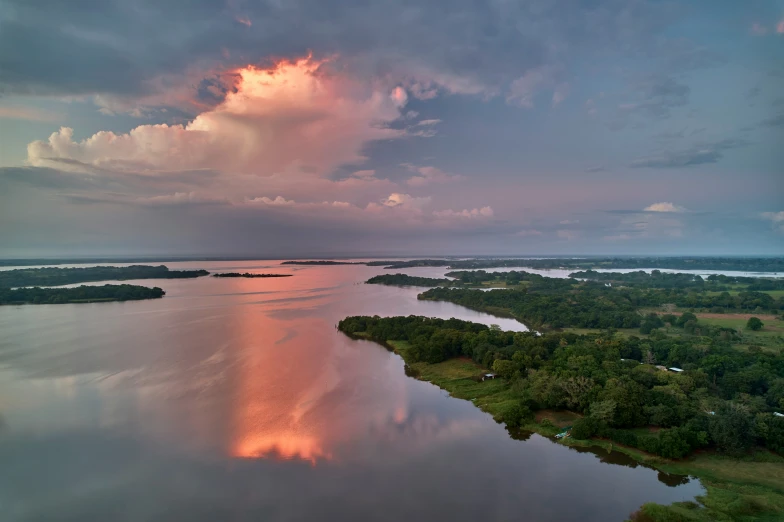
(237, 399)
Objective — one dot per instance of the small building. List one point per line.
(674, 369)
(660, 367)
(777, 414)
(488, 376)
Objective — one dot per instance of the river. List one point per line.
(237, 399)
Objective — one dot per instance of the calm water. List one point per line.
(236, 399)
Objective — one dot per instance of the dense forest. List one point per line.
(556, 303)
(321, 263)
(725, 398)
(81, 294)
(407, 280)
(51, 276)
(764, 264)
(658, 279)
(249, 275)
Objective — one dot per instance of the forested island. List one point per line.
(683, 373)
(249, 275)
(407, 280)
(81, 294)
(322, 263)
(52, 276)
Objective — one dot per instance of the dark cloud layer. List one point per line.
(119, 47)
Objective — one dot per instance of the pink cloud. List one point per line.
(780, 26)
(292, 117)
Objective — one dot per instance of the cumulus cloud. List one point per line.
(291, 117)
(474, 213)
(180, 198)
(776, 219)
(664, 207)
(398, 200)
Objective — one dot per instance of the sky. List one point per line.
(391, 127)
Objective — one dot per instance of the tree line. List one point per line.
(81, 294)
(248, 275)
(53, 276)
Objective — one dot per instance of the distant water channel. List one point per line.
(237, 399)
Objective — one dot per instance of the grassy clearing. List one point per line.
(623, 332)
(456, 376)
(750, 489)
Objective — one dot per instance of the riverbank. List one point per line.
(751, 488)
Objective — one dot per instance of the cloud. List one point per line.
(181, 198)
(657, 95)
(523, 90)
(364, 174)
(774, 121)
(428, 122)
(428, 176)
(293, 116)
(566, 234)
(529, 232)
(27, 114)
(597, 168)
(569, 222)
(699, 154)
(776, 220)
(560, 93)
(475, 213)
(780, 26)
(398, 200)
(664, 207)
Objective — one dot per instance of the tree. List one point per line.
(754, 323)
(732, 429)
(603, 410)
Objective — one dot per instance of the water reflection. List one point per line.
(238, 399)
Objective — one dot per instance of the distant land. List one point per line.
(249, 275)
(81, 294)
(68, 276)
(743, 264)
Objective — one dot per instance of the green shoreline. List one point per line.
(749, 489)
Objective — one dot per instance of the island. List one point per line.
(750, 264)
(646, 365)
(80, 294)
(51, 276)
(470, 279)
(321, 263)
(249, 275)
